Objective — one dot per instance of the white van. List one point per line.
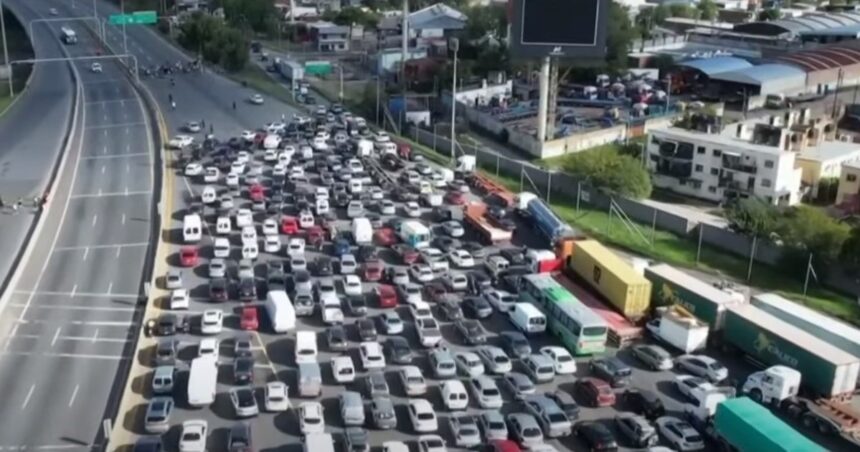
(310, 380)
(192, 228)
(223, 225)
(272, 141)
(528, 318)
(364, 147)
(387, 148)
(355, 186)
(306, 347)
(319, 442)
(202, 381)
(362, 231)
(280, 310)
(454, 395)
(306, 219)
(322, 206)
(343, 369)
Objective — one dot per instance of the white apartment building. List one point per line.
(738, 162)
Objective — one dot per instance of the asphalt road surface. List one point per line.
(66, 330)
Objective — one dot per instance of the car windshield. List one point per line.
(496, 425)
(191, 436)
(564, 358)
(312, 420)
(531, 432)
(491, 392)
(716, 366)
(425, 416)
(415, 380)
(499, 359)
(693, 438)
(557, 417)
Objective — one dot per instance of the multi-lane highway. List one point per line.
(68, 325)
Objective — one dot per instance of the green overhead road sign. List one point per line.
(135, 18)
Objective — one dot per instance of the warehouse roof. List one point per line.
(797, 25)
(763, 74)
(826, 57)
(830, 150)
(717, 65)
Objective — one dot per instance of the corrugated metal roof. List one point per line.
(823, 58)
(610, 260)
(717, 65)
(808, 23)
(785, 76)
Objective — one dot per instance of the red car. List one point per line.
(249, 318)
(259, 138)
(289, 225)
(386, 296)
(385, 237)
(257, 193)
(373, 270)
(314, 237)
(456, 198)
(505, 445)
(407, 254)
(188, 256)
(594, 391)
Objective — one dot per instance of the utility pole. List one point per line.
(378, 88)
(6, 50)
(124, 36)
(403, 57)
(543, 101)
(454, 45)
(340, 94)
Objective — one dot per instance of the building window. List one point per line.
(699, 168)
(718, 153)
(712, 189)
(700, 150)
(768, 163)
(851, 177)
(766, 183)
(654, 140)
(715, 172)
(768, 199)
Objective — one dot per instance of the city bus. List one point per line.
(581, 330)
(68, 35)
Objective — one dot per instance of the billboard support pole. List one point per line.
(543, 84)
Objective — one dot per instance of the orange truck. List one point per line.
(473, 214)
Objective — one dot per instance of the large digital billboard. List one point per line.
(559, 28)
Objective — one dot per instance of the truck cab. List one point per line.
(773, 384)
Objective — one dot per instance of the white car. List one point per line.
(456, 281)
(469, 364)
(501, 300)
(244, 219)
(311, 418)
(412, 209)
(495, 360)
(486, 392)
(226, 201)
(192, 126)
(193, 436)
(461, 258)
(180, 142)
(431, 443)
(465, 431)
(681, 435)
(348, 264)
(250, 251)
(420, 310)
(272, 244)
(429, 334)
(96, 68)
(270, 227)
(237, 168)
(223, 225)
(421, 272)
(209, 346)
(211, 174)
(193, 169)
(217, 268)
(179, 299)
(232, 180)
(453, 228)
(422, 416)
(371, 355)
(296, 246)
(391, 322)
(386, 207)
(277, 396)
(562, 359)
(693, 387)
(209, 195)
(256, 99)
(270, 155)
(212, 321)
(275, 127)
(352, 285)
(221, 248)
(332, 315)
(249, 235)
(248, 135)
(412, 380)
(342, 369)
(702, 366)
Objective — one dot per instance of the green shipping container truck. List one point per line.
(671, 286)
(611, 277)
(827, 370)
(750, 427)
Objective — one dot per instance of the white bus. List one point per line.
(202, 381)
(281, 312)
(580, 329)
(68, 35)
(414, 234)
(528, 318)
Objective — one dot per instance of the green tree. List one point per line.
(255, 15)
(809, 229)
(752, 216)
(682, 10)
(608, 169)
(850, 252)
(663, 62)
(769, 14)
(491, 20)
(828, 188)
(707, 9)
(215, 41)
(619, 33)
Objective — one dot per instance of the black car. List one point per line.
(336, 336)
(566, 402)
(472, 331)
(357, 305)
(170, 324)
(367, 252)
(324, 266)
(501, 218)
(276, 280)
(398, 350)
(450, 308)
(514, 256)
(446, 244)
(219, 289)
(644, 402)
(341, 199)
(243, 371)
(597, 436)
(476, 307)
(612, 370)
(479, 282)
(477, 250)
(366, 330)
(149, 444)
(240, 439)
(515, 344)
(247, 289)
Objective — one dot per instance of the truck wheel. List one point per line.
(809, 421)
(756, 395)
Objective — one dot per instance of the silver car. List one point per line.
(549, 415)
(382, 410)
(525, 429)
(495, 359)
(157, 419)
(465, 431)
(653, 356)
(217, 268)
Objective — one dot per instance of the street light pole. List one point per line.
(124, 36)
(6, 49)
(454, 45)
(340, 93)
(378, 87)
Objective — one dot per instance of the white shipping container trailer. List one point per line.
(682, 330)
(708, 303)
(828, 329)
(203, 381)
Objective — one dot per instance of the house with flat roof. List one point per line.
(328, 37)
(848, 195)
(825, 160)
(427, 26)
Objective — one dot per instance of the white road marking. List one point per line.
(74, 394)
(115, 156)
(87, 249)
(126, 190)
(126, 131)
(80, 322)
(105, 135)
(123, 222)
(71, 307)
(107, 245)
(70, 355)
(74, 289)
(56, 335)
(29, 394)
(116, 126)
(128, 149)
(81, 294)
(104, 151)
(110, 287)
(127, 168)
(108, 101)
(104, 167)
(95, 336)
(119, 248)
(102, 195)
(95, 219)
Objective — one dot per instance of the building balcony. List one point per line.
(736, 164)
